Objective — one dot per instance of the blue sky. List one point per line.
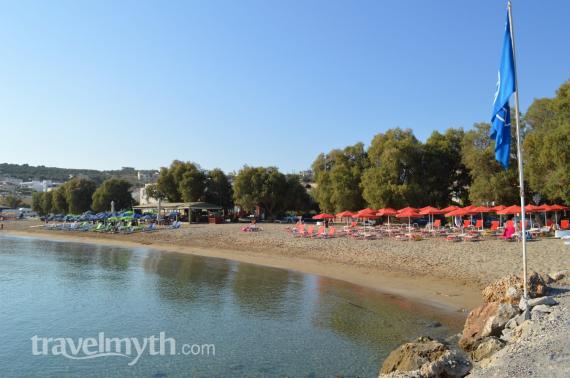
(105, 84)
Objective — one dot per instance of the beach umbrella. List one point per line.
(449, 209)
(409, 213)
(345, 214)
(496, 209)
(430, 211)
(481, 210)
(366, 214)
(387, 212)
(510, 210)
(556, 209)
(408, 209)
(323, 216)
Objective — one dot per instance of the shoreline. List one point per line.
(446, 295)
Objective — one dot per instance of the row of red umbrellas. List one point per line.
(410, 212)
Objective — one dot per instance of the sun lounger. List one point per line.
(565, 224)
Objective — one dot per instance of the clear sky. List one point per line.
(104, 84)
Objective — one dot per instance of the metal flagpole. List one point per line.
(519, 152)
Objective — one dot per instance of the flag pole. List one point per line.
(519, 152)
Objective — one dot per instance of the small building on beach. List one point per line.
(199, 212)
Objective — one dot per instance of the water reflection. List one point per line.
(367, 316)
(188, 278)
(266, 292)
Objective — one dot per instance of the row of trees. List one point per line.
(263, 187)
(79, 195)
(455, 166)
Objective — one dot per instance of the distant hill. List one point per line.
(27, 173)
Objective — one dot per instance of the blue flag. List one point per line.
(501, 120)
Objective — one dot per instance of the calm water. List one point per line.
(262, 321)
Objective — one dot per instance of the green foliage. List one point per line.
(11, 201)
(270, 189)
(395, 173)
(182, 181)
(547, 146)
(42, 203)
(115, 190)
(337, 175)
(59, 201)
(490, 182)
(444, 173)
(78, 194)
(218, 189)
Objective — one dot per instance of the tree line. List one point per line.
(263, 187)
(455, 166)
(79, 195)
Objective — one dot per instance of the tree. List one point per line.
(444, 176)
(546, 146)
(338, 176)
(182, 181)
(260, 186)
(394, 176)
(78, 194)
(46, 203)
(218, 189)
(37, 198)
(11, 201)
(489, 181)
(116, 190)
(59, 200)
(297, 199)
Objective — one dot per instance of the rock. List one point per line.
(548, 301)
(522, 330)
(509, 289)
(486, 348)
(512, 324)
(525, 315)
(507, 334)
(486, 320)
(557, 276)
(542, 308)
(523, 304)
(424, 357)
(536, 285)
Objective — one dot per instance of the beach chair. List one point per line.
(564, 224)
(479, 224)
(331, 233)
(494, 225)
(437, 223)
(466, 223)
(321, 231)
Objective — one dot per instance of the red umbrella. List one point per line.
(530, 208)
(387, 212)
(498, 208)
(408, 213)
(345, 214)
(323, 216)
(450, 209)
(429, 211)
(556, 209)
(408, 208)
(510, 210)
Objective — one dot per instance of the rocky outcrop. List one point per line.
(424, 358)
(486, 348)
(486, 320)
(509, 289)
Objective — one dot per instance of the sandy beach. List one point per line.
(448, 275)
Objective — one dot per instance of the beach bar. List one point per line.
(198, 212)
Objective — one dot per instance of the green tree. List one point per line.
(11, 201)
(297, 199)
(37, 198)
(394, 176)
(79, 194)
(218, 189)
(116, 190)
(338, 176)
(260, 186)
(46, 203)
(546, 146)
(182, 181)
(59, 200)
(444, 176)
(489, 181)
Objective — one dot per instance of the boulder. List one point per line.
(548, 301)
(557, 276)
(486, 320)
(542, 308)
(486, 348)
(424, 358)
(509, 289)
